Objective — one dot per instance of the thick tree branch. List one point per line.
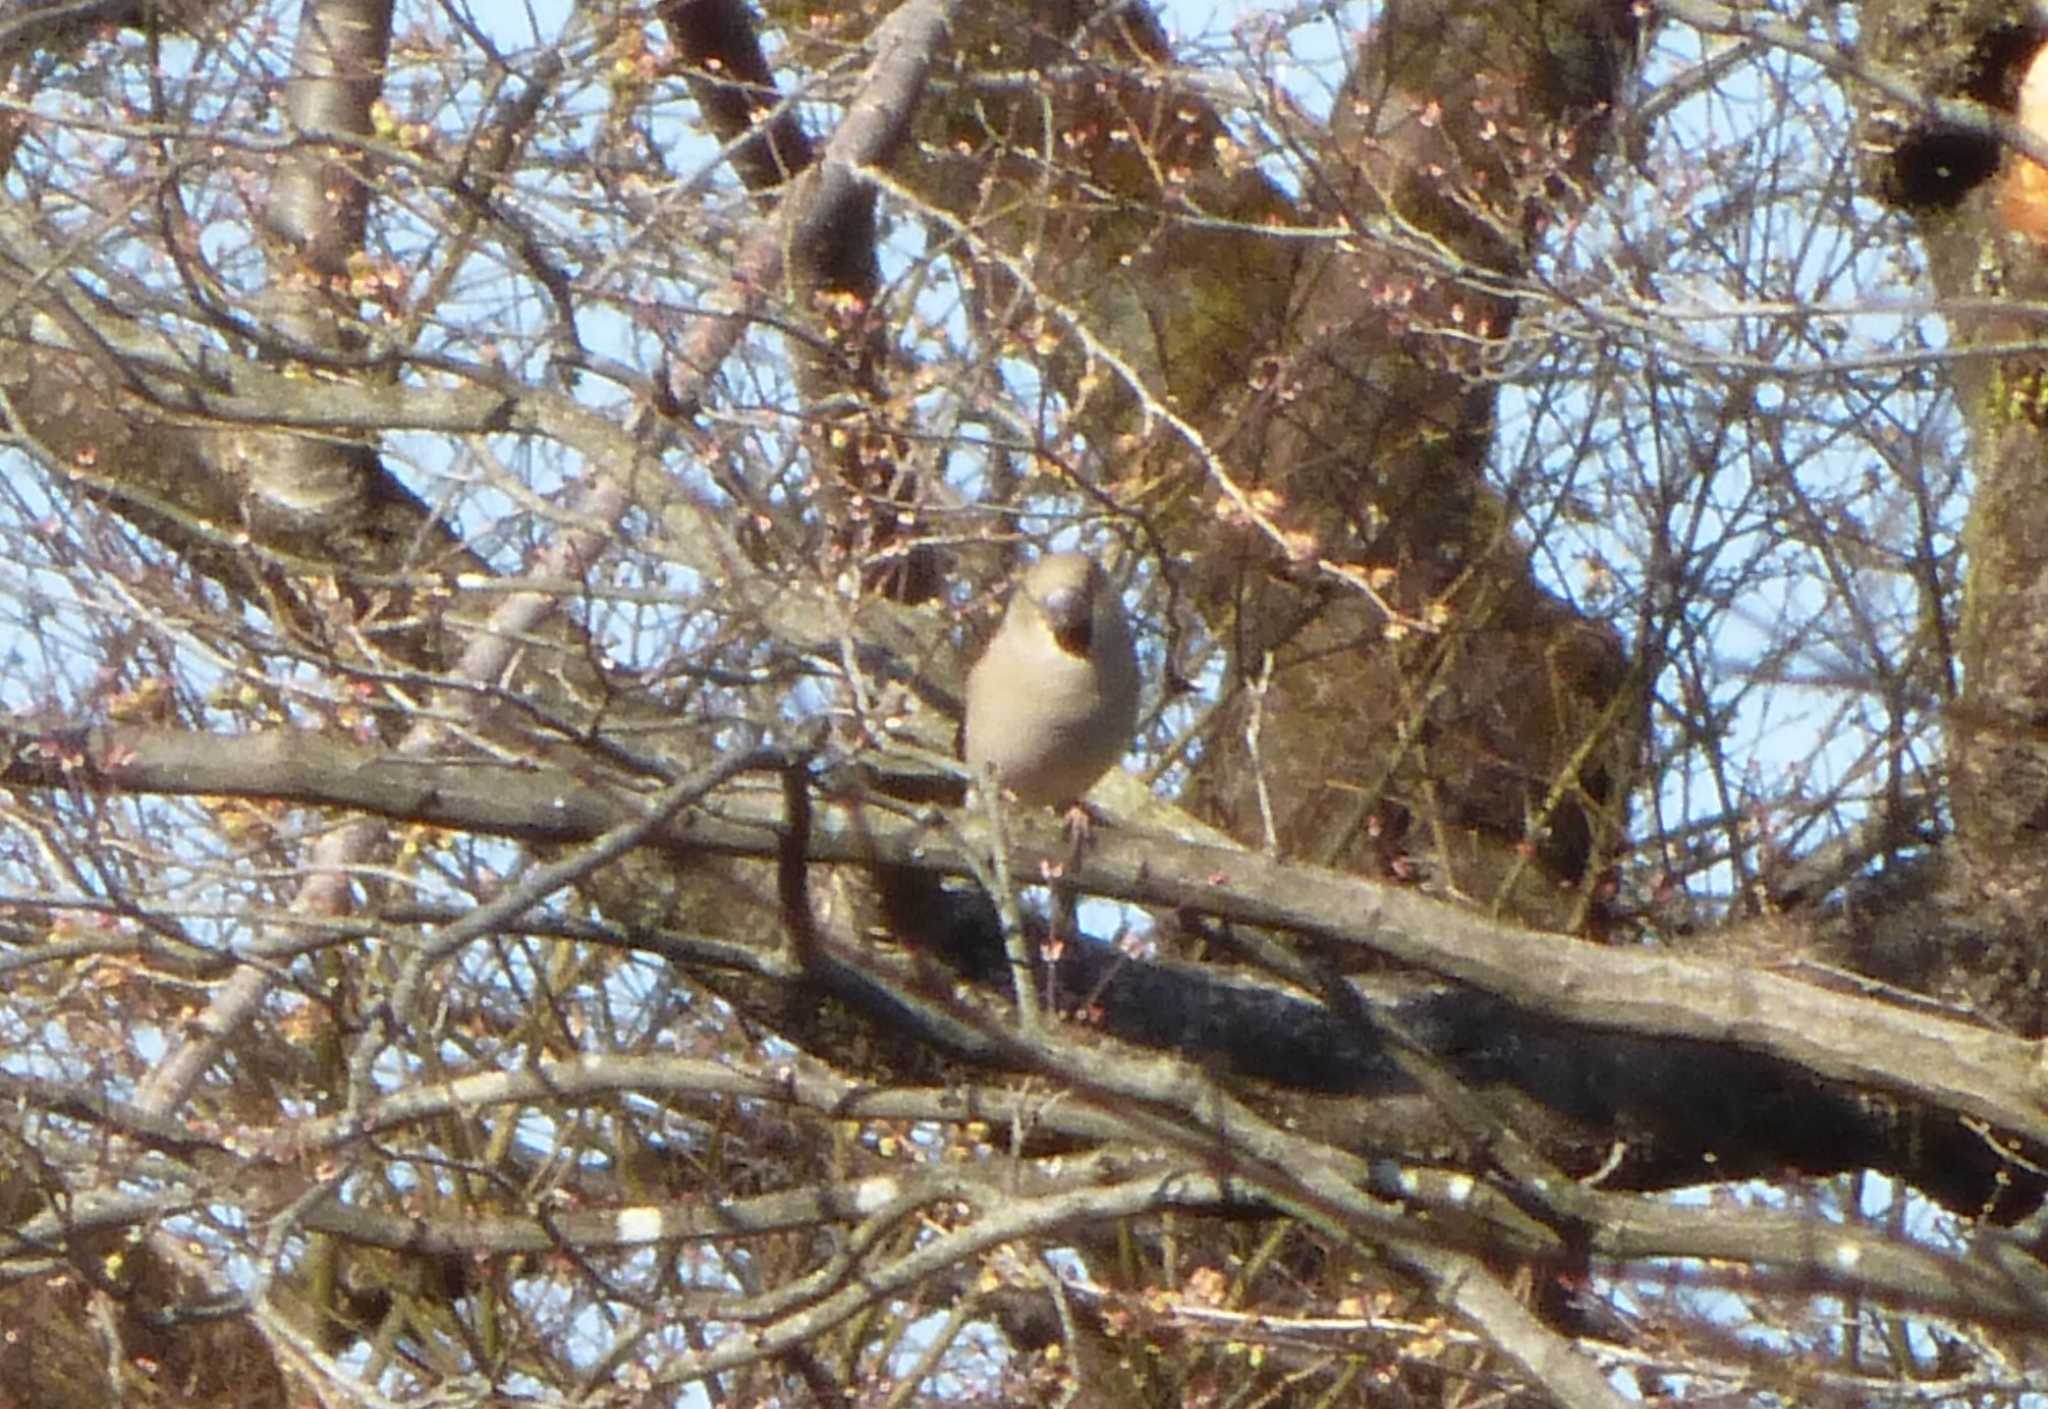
(1723, 1062)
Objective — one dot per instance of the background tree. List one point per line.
(497, 515)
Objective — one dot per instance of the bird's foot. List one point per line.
(1082, 820)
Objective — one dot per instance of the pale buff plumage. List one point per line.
(1053, 703)
(2023, 196)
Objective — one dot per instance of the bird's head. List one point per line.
(1064, 590)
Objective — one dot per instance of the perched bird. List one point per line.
(1053, 703)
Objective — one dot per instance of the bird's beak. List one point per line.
(1072, 618)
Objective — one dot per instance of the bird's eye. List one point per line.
(1075, 634)
(1070, 613)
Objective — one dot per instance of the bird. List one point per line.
(1053, 702)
